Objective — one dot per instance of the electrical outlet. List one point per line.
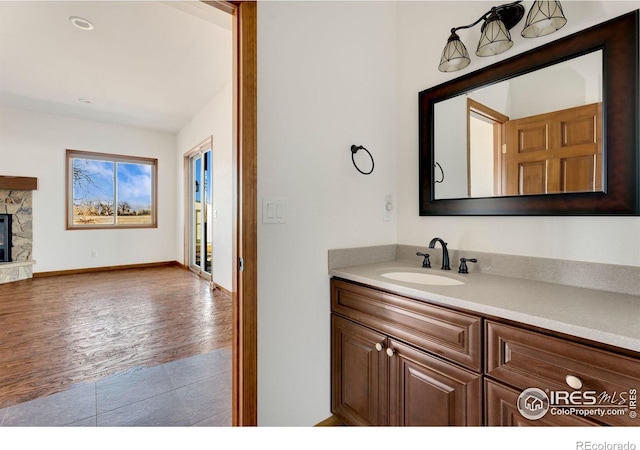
(94, 253)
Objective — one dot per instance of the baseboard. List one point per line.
(332, 421)
(220, 288)
(108, 268)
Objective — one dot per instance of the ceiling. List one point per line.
(147, 64)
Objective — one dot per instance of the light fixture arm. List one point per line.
(495, 10)
(464, 27)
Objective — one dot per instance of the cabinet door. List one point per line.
(359, 382)
(427, 391)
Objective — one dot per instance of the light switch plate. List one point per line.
(388, 207)
(274, 210)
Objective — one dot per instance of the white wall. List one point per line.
(326, 80)
(451, 148)
(214, 119)
(480, 158)
(423, 28)
(34, 144)
(566, 85)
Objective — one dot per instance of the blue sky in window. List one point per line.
(134, 182)
(207, 177)
(134, 185)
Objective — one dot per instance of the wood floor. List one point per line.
(58, 331)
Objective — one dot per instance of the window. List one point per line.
(111, 191)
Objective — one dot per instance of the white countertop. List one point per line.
(600, 316)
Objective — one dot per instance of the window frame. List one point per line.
(114, 158)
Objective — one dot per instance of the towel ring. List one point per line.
(441, 171)
(354, 150)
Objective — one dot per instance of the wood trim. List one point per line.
(228, 7)
(245, 285)
(216, 286)
(245, 355)
(56, 273)
(18, 183)
(489, 115)
(332, 421)
(186, 213)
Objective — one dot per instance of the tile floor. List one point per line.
(194, 391)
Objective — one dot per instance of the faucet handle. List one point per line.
(463, 264)
(425, 261)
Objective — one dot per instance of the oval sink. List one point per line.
(422, 278)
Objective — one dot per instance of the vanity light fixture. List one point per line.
(544, 18)
(81, 23)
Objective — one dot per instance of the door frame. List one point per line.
(244, 289)
(188, 203)
(498, 120)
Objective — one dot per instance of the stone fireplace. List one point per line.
(16, 202)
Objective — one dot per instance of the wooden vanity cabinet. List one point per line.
(391, 365)
(398, 361)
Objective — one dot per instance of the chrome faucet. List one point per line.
(445, 252)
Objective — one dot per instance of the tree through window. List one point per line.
(105, 191)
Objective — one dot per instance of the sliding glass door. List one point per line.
(201, 204)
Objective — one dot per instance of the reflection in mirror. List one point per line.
(537, 133)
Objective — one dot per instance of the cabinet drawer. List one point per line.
(526, 359)
(502, 410)
(453, 335)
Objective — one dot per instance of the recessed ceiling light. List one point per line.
(81, 23)
(84, 100)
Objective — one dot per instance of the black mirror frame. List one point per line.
(615, 37)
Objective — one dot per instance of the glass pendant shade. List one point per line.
(544, 18)
(495, 38)
(454, 56)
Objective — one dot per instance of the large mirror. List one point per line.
(550, 131)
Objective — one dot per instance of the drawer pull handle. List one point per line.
(390, 352)
(379, 346)
(574, 382)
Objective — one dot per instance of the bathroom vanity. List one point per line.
(516, 340)
(411, 353)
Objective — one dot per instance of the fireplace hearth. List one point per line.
(16, 228)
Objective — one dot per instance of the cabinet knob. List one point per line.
(379, 346)
(574, 382)
(390, 352)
